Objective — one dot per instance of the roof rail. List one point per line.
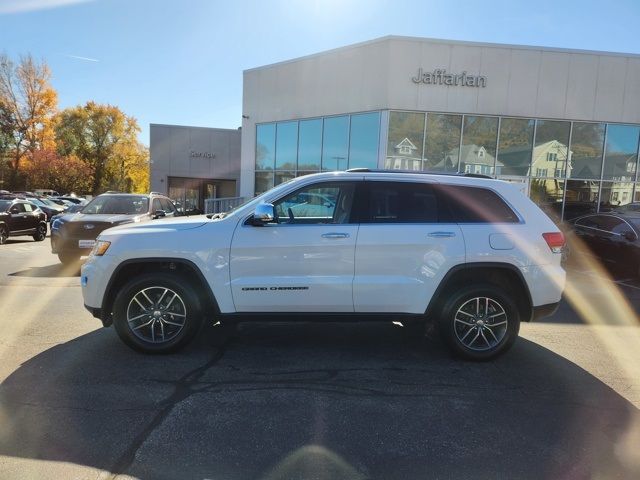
(418, 172)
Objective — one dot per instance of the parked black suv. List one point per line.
(74, 235)
(19, 217)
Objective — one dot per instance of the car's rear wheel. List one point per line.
(479, 323)
(157, 313)
(4, 234)
(41, 232)
(68, 258)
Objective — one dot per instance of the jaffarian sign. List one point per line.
(441, 77)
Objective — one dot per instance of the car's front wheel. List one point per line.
(41, 232)
(157, 313)
(479, 323)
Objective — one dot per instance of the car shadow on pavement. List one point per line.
(290, 401)
(51, 271)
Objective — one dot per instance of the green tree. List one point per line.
(27, 105)
(97, 134)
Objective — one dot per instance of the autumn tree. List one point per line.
(27, 105)
(47, 169)
(104, 137)
(128, 169)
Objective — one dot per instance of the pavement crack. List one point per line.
(183, 390)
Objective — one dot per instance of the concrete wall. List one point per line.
(520, 81)
(178, 151)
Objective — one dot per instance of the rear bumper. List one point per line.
(542, 311)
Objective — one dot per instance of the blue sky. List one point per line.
(181, 61)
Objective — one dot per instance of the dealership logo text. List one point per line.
(441, 77)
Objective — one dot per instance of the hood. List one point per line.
(114, 219)
(162, 225)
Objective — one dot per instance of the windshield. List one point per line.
(117, 205)
(50, 203)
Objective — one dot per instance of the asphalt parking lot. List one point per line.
(307, 401)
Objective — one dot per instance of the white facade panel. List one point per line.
(609, 101)
(522, 94)
(631, 105)
(552, 85)
(494, 98)
(581, 91)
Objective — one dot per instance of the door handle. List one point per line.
(441, 234)
(335, 235)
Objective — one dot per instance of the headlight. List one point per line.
(100, 248)
(56, 224)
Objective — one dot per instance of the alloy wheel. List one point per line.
(156, 314)
(480, 323)
(4, 235)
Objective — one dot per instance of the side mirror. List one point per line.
(264, 213)
(159, 214)
(629, 235)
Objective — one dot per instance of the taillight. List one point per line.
(555, 240)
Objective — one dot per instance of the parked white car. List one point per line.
(474, 255)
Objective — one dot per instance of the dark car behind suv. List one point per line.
(19, 217)
(73, 236)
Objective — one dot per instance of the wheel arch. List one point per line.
(502, 275)
(188, 270)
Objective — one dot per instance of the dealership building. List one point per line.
(562, 124)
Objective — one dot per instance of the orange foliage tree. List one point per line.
(27, 105)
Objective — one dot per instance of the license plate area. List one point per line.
(86, 243)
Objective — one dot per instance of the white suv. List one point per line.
(472, 254)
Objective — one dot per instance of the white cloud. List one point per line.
(21, 6)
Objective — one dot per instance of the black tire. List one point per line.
(4, 234)
(490, 341)
(41, 232)
(68, 258)
(185, 305)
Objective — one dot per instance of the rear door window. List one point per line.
(402, 202)
(476, 205)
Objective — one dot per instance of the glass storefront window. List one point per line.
(551, 149)
(264, 182)
(282, 177)
(335, 143)
(587, 142)
(621, 152)
(582, 197)
(365, 138)
(515, 145)
(442, 143)
(478, 152)
(265, 146)
(310, 144)
(405, 141)
(547, 193)
(286, 145)
(615, 194)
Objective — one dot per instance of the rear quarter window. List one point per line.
(476, 205)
